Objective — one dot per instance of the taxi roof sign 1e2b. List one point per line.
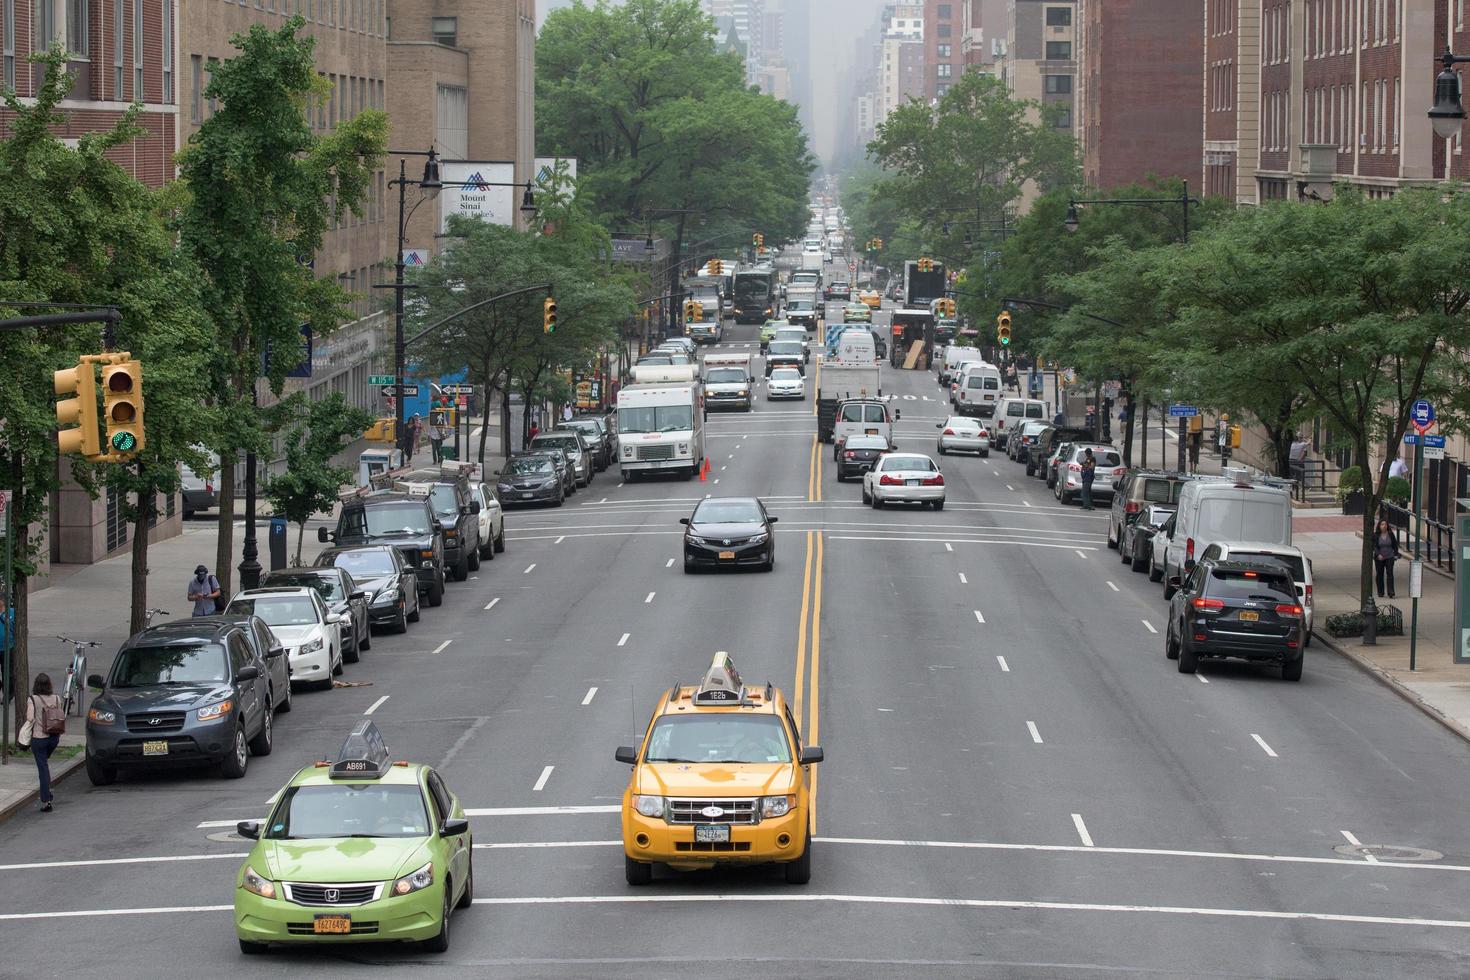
(721, 683)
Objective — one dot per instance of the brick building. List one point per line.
(1138, 98)
(983, 30)
(1041, 54)
(943, 45)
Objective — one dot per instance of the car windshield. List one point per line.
(800, 305)
(349, 810)
(371, 563)
(963, 423)
(528, 466)
(923, 463)
(588, 427)
(725, 738)
(866, 442)
(661, 418)
(655, 359)
(405, 518)
(171, 663)
(726, 512)
(1263, 586)
(1292, 563)
(785, 374)
(726, 376)
(567, 443)
(328, 585)
(443, 500)
(286, 610)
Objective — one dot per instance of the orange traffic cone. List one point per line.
(704, 470)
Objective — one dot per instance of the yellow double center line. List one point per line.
(809, 634)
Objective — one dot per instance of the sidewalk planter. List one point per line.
(1350, 490)
(1353, 504)
(1390, 623)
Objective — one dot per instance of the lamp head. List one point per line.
(1447, 114)
(1070, 222)
(431, 184)
(528, 202)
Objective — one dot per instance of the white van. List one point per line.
(976, 389)
(728, 381)
(856, 347)
(1223, 510)
(956, 357)
(1011, 411)
(661, 427)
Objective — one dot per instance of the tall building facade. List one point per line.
(944, 55)
(1041, 55)
(1139, 100)
(901, 57)
(745, 19)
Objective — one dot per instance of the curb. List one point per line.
(58, 773)
(1372, 669)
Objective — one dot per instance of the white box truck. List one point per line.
(661, 428)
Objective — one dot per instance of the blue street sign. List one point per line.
(1428, 441)
(1183, 411)
(1422, 413)
(1410, 439)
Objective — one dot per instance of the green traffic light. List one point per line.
(124, 442)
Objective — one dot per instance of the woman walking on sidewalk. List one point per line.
(1385, 553)
(44, 704)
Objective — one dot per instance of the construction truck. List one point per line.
(911, 345)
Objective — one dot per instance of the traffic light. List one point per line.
(548, 315)
(122, 406)
(698, 311)
(693, 311)
(1003, 328)
(758, 240)
(80, 410)
(717, 267)
(947, 308)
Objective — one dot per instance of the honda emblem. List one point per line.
(332, 895)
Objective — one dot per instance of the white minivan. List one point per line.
(955, 357)
(1011, 411)
(1222, 510)
(976, 389)
(856, 347)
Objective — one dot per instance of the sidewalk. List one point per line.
(1438, 686)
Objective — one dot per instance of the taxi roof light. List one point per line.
(721, 683)
(363, 754)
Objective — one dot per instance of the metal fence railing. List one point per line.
(1437, 544)
(1312, 476)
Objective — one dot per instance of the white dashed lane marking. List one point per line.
(1264, 747)
(1035, 734)
(545, 775)
(591, 693)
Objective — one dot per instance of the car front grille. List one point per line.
(665, 451)
(705, 845)
(333, 895)
(735, 811)
(307, 928)
(150, 722)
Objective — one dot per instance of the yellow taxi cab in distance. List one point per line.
(872, 297)
(721, 778)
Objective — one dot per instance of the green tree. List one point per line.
(76, 228)
(262, 188)
(311, 482)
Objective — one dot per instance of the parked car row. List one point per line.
(555, 464)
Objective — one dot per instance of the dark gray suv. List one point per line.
(185, 692)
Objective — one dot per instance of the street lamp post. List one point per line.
(1447, 114)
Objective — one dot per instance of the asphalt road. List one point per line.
(1018, 783)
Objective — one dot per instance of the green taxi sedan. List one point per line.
(857, 313)
(360, 849)
(769, 328)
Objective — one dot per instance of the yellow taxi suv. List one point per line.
(720, 779)
(361, 849)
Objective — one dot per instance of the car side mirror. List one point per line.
(453, 827)
(474, 506)
(359, 595)
(1188, 565)
(771, 520)
(939, 425)
(684, 521)
(626, 754)
(323, 535)
(275, 652)
(1175, 582)
(247, 673)
(248, 829)
(333, 618)
(811, 754)
(95, 682)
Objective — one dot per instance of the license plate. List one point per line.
(159, 747)
(527, 496)
(334, 925)
(870, 432)
(711, 832)
(1250, 617)
(911, 483)
(727, 554)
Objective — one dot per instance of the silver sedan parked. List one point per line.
(904, 478)
(959, 434)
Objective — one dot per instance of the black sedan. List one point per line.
(342, 595)
(390, 582)
(533, 478)
(858, 454)
(729, 531)
(1235, 609)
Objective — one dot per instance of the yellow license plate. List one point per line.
(156, 748)
(334, 925)
(1250, 617)
(727, 554)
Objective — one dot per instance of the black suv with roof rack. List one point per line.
(403, 520)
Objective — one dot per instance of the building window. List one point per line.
(1058, 16)
(209, 67)
(196, 87)
(1058, 50)
(943, 30)
(944, 11)
(168, 52)
(1058, 84)
(76, 27)
(944, 70)
(117, 51)
(445, 30)
(1396, 112)
(1064, 119)
(943, 50)
(137, 50)
(942, 91)
(9, 15)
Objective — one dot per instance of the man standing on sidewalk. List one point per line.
(203, 591)
(1089, 470)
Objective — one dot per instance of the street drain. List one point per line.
(1388, 852)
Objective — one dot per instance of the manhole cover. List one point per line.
(1388, 852)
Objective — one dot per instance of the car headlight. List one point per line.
(213, 712)
(258, 885)
(312, 646)
(759, 538)
(628, 451)
(451, 535)
(427, 554)
(385, 598)
(777, 806)
(101, 717)
(505, 488)
(417, 881)
(743, 393)
(649, 806)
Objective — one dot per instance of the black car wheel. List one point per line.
(637, 873)
(285, 705)
(440, 942)
(233, 766)
(253, 949)
(1188, 659)
(500, 540)
(460, 571)
(405, 617)
(98, 773)
(1292, 669)
(799, 872)
(436, 593)
(349, 654)
(264, 739)
(1171, 648)
(472, 560)
(366, 642)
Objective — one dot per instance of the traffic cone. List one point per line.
(704, 470)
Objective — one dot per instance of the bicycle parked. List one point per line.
(76, 673)
(148, 615)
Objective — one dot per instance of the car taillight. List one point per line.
(949, 432)
(1132, 507)
(937, 480)
(1202, 603)
(849, 454)
(890, 481)
(1307, 595)
(1119, 471)
(1189, 549)
(1074, 467)
(1290, 611)
(984, 434)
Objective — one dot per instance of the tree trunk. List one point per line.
(1128, 427)
(1144, 460)
(300, 535)
(147, 505)
(505, 417)
(1371, 497)
(20, 595)
(224, 548)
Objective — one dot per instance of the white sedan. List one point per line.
(904, 478)
(959, 434)
(492, 521)
(785, 383)
(302, 623)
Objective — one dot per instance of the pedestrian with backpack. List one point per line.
(45, 722)
(204, 592)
